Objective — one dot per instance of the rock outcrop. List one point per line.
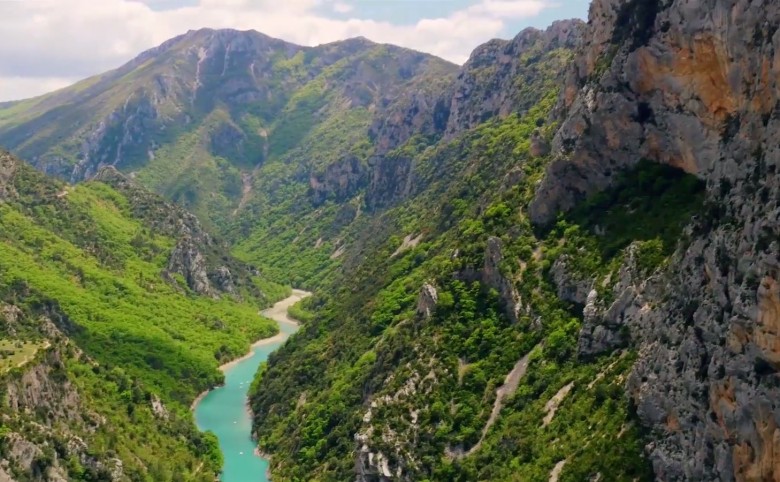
(571, 286)
(502, 77)
(187, 261)
(339, 181)
(391, 180)
(492, 277)
(42, 394)
(692, 85)
(7, 171)
(196, 256)
(427, 300)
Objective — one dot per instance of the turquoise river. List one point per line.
(224, 410)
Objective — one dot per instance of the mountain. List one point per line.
(116, 308)
(195, 117)
(557, 262)
(440, 346)
(585, 290)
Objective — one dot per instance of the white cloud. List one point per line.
(67, 39)
(506, 9)
(340, 7)
(24, 87)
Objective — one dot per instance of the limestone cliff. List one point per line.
(502, 77)
(692, 85)
(48, 426)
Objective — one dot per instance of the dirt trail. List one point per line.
(556, 471)
(552, 405)
(509, 387)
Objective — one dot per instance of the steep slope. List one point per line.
(195, 117)
(558, 263)
(692, 85)
(408, 365)
(108, 330)
(299, 223)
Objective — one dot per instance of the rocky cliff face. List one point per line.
(44, 414)
(7, 169)
(197, 257)
(692, 85)
(502, 77)
(339, 182)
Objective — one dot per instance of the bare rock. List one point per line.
(693, 85)
(8, 167)
(493, 278)
(222, 280)
(158, 408)
(339, 181)
(487, 85)
(187, 260)
(427, 300)
(571, 286)
(391, 180)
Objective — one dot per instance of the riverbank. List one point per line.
(278, 313)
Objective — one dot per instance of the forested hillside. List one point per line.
(108, 332)
(448, 347)
(556, 262)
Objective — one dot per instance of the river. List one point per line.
(223, 410)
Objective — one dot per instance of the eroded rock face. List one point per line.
(338, 182)
(187, 260)
(38, 389)
(493, 278)
(614, 309)
(571, 286)
(502, 77)
(427, 300)
(693, 85)
(222, 279)
(43, 394)
(664, 81)
(7, 171)
(391, 180)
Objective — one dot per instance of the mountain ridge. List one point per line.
(593, 203)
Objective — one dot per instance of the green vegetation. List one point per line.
(17, 353)
(288, 179)
(366, 344)
(91, 259)
(106, 409)
(301, 310)
(651, 202)
(103, 268)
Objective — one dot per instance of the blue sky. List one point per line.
(411, 11)
(67, 40)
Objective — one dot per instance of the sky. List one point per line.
(49, 44)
